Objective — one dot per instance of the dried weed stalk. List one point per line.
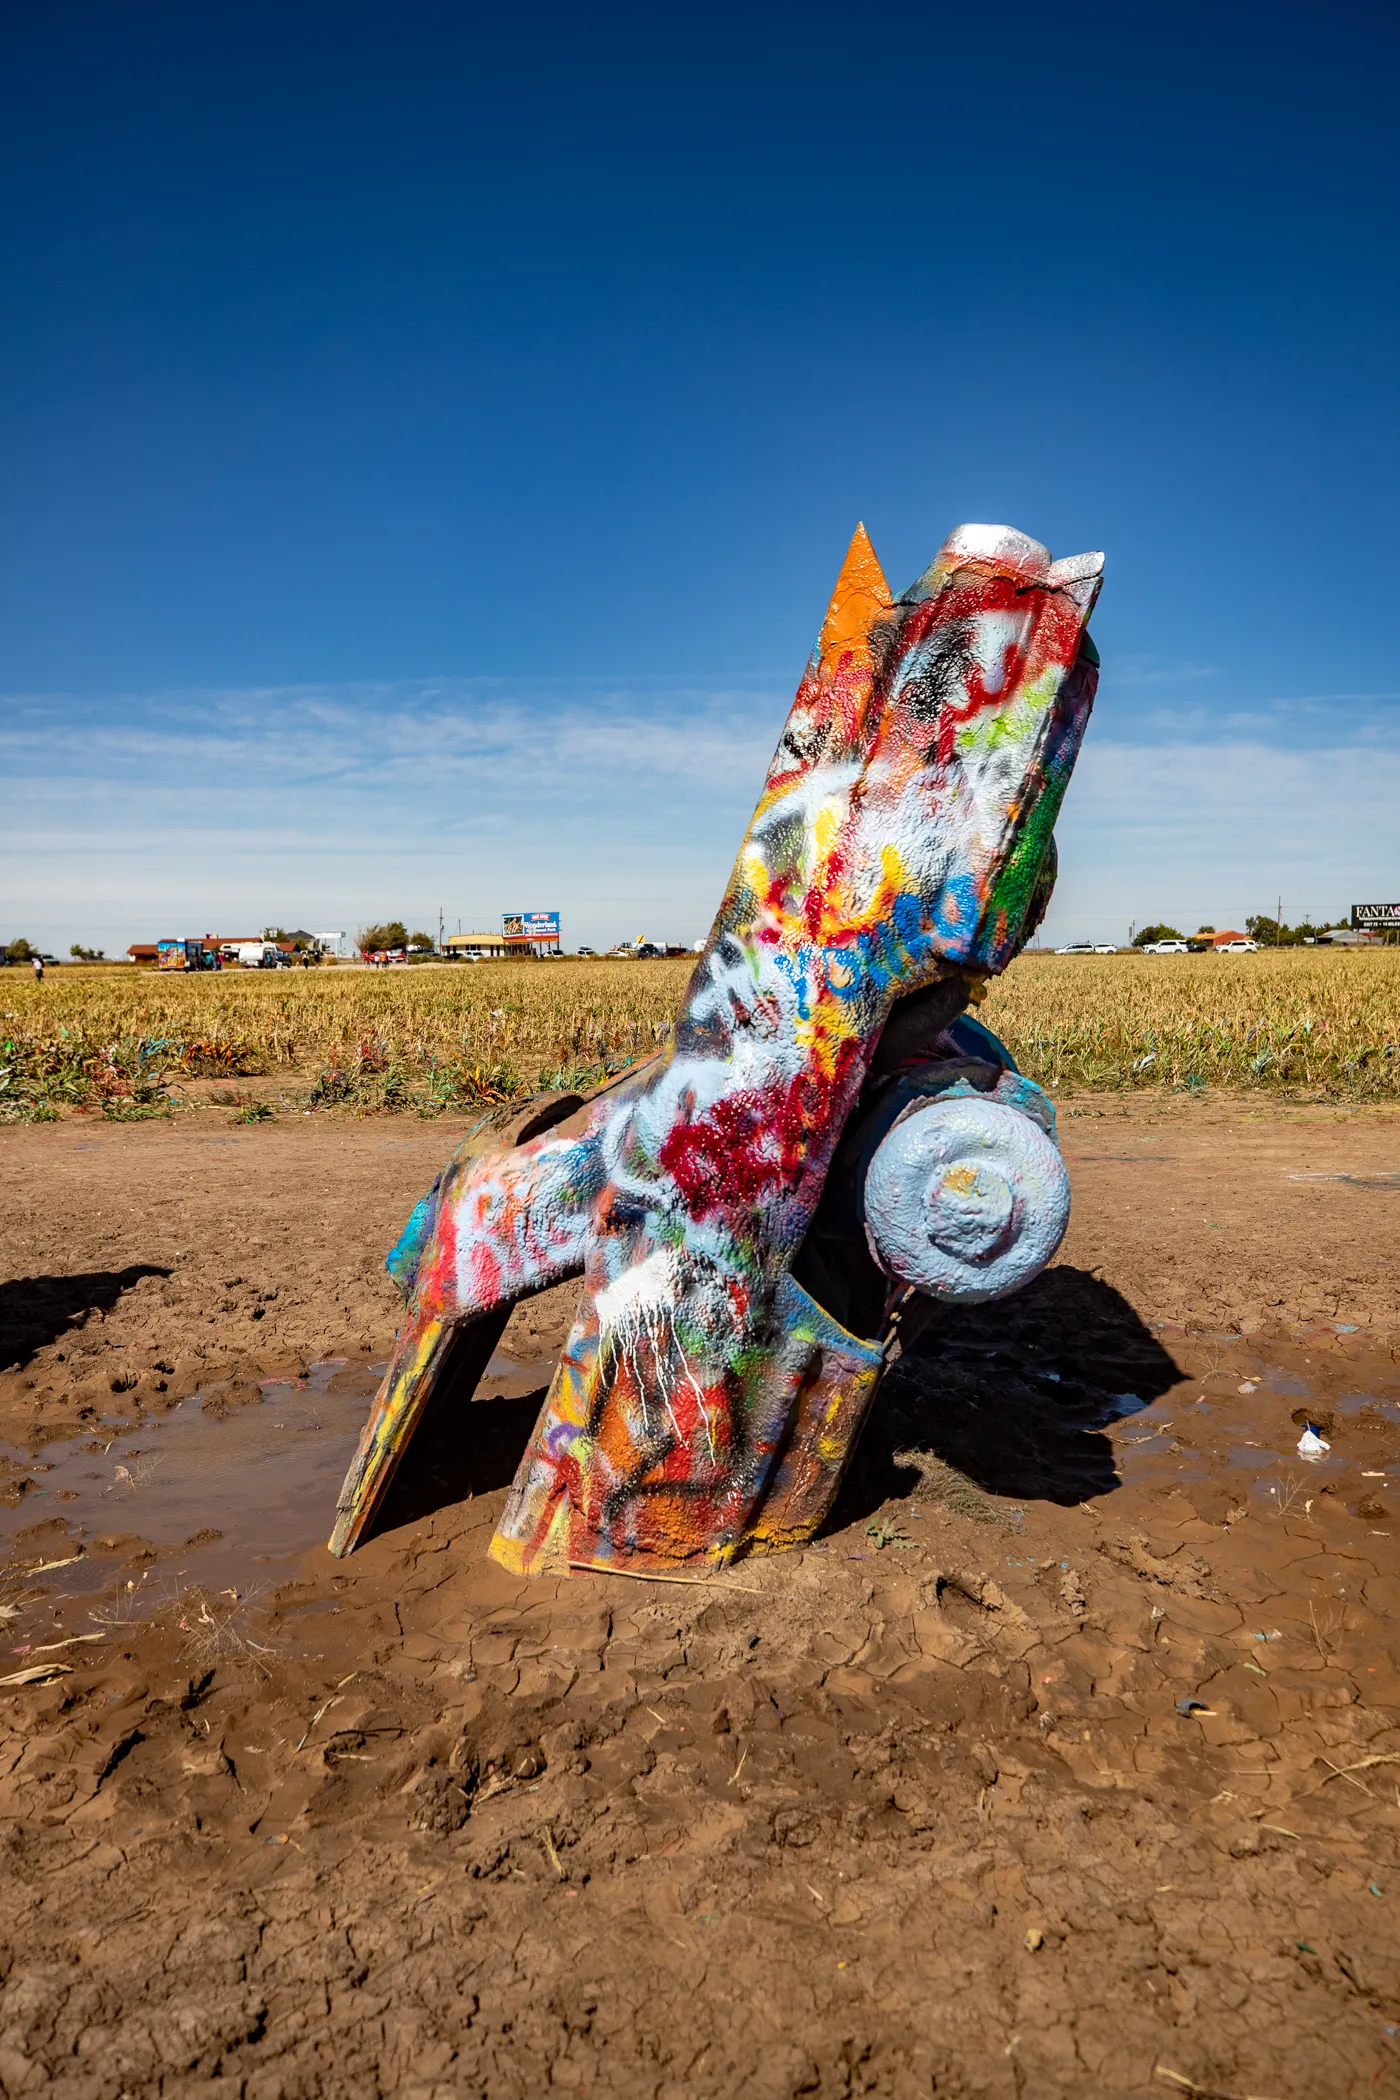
(943, 1483)
(214, 1628)
(1328, 1630)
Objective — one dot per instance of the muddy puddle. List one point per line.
(226, 1500)
(220, 1498)
(1065, 1397)
(1251, 1426)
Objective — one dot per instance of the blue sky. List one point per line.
(431, 437)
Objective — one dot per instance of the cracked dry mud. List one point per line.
(1067, 1762)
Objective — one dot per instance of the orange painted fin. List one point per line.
(860, 596)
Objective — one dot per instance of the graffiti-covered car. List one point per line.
(830, 1133)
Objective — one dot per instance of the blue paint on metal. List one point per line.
(966, 1199)
(972, 1038)
(407, 1251)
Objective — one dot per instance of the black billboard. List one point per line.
(1376, 915)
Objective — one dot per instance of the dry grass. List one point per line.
(1308, 1022)
(425, 1037)
(1303, 1020)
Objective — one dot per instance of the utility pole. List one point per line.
(439, 945)
(1278, 922)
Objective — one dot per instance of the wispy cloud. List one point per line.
(1209, 831)
(369, 735)
(1133, 671)
(620, 803)
(1279, 719)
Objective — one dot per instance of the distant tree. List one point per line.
(1270, 932)
(81, 954)
(422, 942)
(21, 951)
(1204, 932)
(393, 934)
(1274, 933)
(1157, 933)
(1306, 931)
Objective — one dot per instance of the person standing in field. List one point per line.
(38, 969)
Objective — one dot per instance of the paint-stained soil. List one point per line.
(1066, 1763)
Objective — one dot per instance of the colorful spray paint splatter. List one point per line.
(706, 1403)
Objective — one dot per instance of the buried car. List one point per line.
(829, 1136)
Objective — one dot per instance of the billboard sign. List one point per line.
(526, 926)
(1378, 916)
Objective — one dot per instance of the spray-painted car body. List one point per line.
(738, 1292)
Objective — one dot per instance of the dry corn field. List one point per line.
(1304, 1022)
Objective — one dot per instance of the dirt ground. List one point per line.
(1066, 1763)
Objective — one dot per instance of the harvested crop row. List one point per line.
(420, 1038)
(1313, 1022)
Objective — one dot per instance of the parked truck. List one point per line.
(186, 955)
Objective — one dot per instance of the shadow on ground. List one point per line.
(1015, 1396)
(459, 1452)
(36, 1310)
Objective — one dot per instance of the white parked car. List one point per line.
(1078, 948)
(1238, 948)
(1166, 948)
